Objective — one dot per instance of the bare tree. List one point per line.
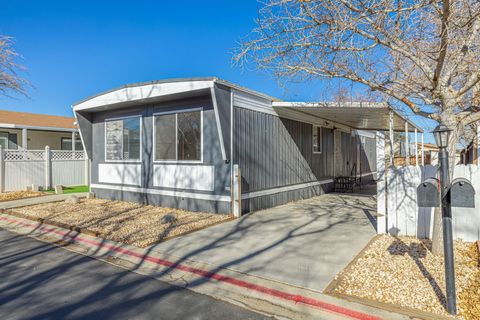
(423, 54)
(10, 80)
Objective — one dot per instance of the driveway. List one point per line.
(305, 243)
(41, 281)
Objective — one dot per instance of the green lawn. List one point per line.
(74, 189)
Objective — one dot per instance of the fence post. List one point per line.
(48, 168)
(381, 184)
(2, 169)
(237, 192)
(87, 170)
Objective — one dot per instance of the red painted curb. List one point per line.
(209, 275)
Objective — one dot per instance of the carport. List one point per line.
(377, 117)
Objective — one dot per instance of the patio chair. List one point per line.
(348, 183)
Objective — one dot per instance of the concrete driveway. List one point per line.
(305, 243)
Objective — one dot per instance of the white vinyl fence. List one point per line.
(45, 168)
(404, 217)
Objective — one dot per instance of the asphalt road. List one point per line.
(41, 281)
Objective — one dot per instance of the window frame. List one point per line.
(61, 143)
(320, 139)
(140, 118)
(176, 112)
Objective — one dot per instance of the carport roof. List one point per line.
(356, 115)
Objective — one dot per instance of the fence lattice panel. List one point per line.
(67, 155)
(24, 155)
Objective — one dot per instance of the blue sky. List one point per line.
(74, 49)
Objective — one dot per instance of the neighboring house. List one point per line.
(175, 143)
(22, 130)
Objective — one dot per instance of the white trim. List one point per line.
(81, 135)
(171, 193)
(368, 174)
(140, 118)
(184, 177)
(176, 112)
(121, 173)
(256, 194)
(142, 93)
(41, 128)
(364, 133)
(217, 120)
(320, 139)
(253, 102)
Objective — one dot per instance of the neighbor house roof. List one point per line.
(14, 119)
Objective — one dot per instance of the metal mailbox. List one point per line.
(461, 194)
(428, 193)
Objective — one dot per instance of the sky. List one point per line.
(76, 49)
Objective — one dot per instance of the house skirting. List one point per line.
(194, 202)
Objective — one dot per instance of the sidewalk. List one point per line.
(252, 292)
(39, 200)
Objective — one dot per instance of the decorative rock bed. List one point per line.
(402, 271)
(131, 223)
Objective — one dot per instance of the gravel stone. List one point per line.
(128, 222)
(403, 271)
(169, 218)
(72, 199)
(15, 195)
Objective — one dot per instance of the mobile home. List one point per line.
(175, 143)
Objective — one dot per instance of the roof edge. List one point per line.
(174, 80)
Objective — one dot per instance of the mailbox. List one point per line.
(428, 194)
(461, 194)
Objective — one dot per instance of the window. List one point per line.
(67, 144)
(8, 140)
(317, 139)
(122, 139)
(178, 136)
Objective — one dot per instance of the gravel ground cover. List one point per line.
(15, 195)
(403, 271)
(127, 222)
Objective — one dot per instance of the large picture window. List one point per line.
(122, 139)
(178, 136)
(317, 139)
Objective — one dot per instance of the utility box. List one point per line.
(461, 194)
(428, 193)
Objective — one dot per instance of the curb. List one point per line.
(258, 294)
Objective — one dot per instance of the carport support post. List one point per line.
(48, 168)
(237, 192)
(390, 132)
(476, 145)
(381, 184)
(423, 152)
(416, 147)
(2, 169)
(407, 145)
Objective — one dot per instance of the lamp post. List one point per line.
(442, 135)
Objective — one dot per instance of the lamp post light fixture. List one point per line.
(442, 136)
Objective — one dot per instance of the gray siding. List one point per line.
(165, 201)
(274, 152)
